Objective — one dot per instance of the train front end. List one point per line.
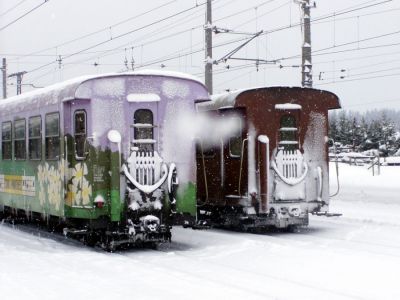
(273, 170)
(139, 161)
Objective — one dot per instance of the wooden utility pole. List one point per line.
(4, 70)
(19, 80)
(208, 73)
(306, 61)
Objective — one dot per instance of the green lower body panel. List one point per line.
(186, 199)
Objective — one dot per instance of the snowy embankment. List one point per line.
(367, 198)
(356, 256)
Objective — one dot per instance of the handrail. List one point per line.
(319, 174)
(337, 170)
(241, 166)
(265, 140)
(204, 169)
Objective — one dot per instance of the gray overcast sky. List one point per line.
(362, 41)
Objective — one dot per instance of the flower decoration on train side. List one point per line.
(80, 188)
(79, 173)
(50, 183)
(86, 192)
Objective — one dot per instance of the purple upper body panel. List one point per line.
(110, 102)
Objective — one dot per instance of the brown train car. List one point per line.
(274, 170)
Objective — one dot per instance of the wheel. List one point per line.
(91, 240)
(151, 245)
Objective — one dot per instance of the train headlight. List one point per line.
(150, 223)
(99, 201)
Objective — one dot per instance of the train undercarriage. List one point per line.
(235, 217)
(144, 232)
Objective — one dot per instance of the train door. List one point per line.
(209, 169)
(234, 179)
(78, 140)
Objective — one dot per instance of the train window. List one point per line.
(6, 142)
(35, 138)
(19, 139)
(52, 140)
(204, 150)
(235, 142)
(288, 130)
(80, 133)
(143, 129)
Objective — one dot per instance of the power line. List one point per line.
(100, 30)
(344, 11)
(362, 15)
(374, 102)
(243, 11)
(27, 13)
(36, 53)
(12, 8)
(358, 79)
(357, 49)
(118, 49)
(363, 66)
(315, 52)
(73, 54)
(122, 35)
(237, 40)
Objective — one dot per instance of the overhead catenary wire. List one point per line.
(358, 79)
(107, 28)
(25, 14)
(12, 8)
(122, 34)
(185, 54)
(374, 102)
(238, 40)
(100, 30)
(116, 49)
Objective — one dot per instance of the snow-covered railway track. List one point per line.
(231, 277)
(308, 239)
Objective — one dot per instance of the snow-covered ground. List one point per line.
(356, 256)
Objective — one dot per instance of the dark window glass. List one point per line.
(80, 132)
(143, 127)
(6, 142)
(288, 130)
(35, 138)
(52, 128)
(206, 151)
(235, 142)
(19, 139)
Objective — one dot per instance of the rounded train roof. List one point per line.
(228, 99)
(64, 91)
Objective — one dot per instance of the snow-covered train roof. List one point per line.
(228, 99)
(66, 90)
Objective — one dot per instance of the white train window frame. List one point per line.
(52, 138)
(80, 137)
(34, 139)
(19, 139)
(6, 141)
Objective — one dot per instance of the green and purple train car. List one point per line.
(102, 156)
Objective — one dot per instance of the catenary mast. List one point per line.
(208, 59)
